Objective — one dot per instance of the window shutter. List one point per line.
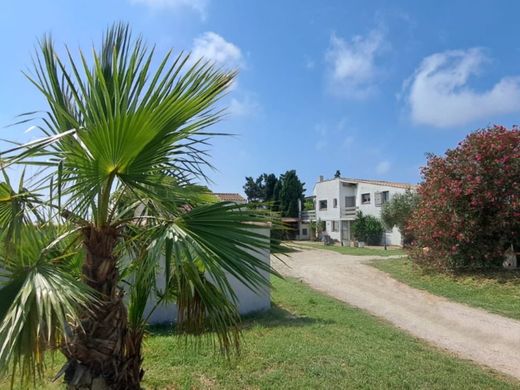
(350, 201)
(379, 199)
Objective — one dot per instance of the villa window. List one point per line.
(323, 205)
(304, 232)
(335, 226)
(365, 198)
(350, 201)
(335, 203)
(381, 198)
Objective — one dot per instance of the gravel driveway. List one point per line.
(470, 333)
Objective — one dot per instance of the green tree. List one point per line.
(115, 204)
(367, 228)
(291, 191)
(398, 210)
(254, 189)
(262, 189)
(270, 181)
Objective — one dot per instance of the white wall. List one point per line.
(248, 301)
(301, 227)
(327, 190)
(393, 237)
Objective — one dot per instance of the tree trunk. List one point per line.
(101, 352)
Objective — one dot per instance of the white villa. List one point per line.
(338, 200)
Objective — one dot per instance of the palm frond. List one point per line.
(39, 296)
(132, 125)
(201, 248)
(17, 209)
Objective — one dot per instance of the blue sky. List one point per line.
(364, 87)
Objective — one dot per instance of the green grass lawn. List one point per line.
(497, 292)
(310, 341)
(346, 250)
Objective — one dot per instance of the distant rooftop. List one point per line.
(376, 182)
(230, 197)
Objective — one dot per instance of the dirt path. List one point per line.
(470, 333)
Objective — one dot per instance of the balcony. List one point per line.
(308, 215)
(349, 212)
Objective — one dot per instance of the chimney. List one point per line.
(320, 179)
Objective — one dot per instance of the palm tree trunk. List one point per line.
(97, 350)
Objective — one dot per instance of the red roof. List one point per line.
(380, 183)
(230, 197)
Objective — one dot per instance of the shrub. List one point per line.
(469, 208)
(397, 212)
(367, 228)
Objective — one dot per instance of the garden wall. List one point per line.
(248, 301)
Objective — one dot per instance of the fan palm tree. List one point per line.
(110, 206)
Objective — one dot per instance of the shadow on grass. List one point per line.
(277, 316)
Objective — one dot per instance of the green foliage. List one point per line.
(281, 195)
(469, 209)
(270, 182)
(367, 228)
(291, 192)
(398, 210)
(39, 293)
(309, 204)
(317, 227)
(254, 189)
(261, 189)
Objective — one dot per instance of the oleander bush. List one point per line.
(469, 208)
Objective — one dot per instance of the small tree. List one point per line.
(308, 204)
(317, 228)
(367, 228)
(397, 212)
(469, 208)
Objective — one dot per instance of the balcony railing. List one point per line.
(349, 212)
(308, 215)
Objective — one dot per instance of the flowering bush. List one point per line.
(469, 208)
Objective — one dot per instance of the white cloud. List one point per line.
(247, 106)
(439, 94)
(213, 47)
(198, 5)
(352, 69)
(383, 167)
